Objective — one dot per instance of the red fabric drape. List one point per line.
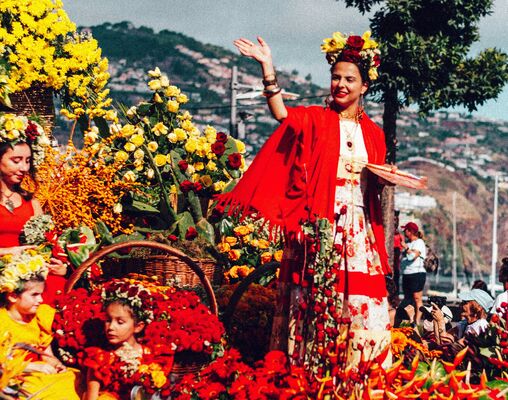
(296, 171)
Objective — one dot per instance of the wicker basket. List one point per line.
(188, 362)
(182, 258)
(36, 100)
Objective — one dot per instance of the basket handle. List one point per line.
(97, 255)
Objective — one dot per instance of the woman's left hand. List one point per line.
(57, 267)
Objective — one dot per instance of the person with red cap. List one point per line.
(413, 270)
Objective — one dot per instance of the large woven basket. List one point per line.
(183, 258)
(36, 100)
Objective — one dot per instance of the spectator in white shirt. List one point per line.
(501, 303)
(411, 265)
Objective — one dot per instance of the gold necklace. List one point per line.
(353, 116)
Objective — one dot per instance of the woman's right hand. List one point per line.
(43, 367)
(260, 52)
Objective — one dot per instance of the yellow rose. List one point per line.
(155, 84)
(223, 247)
(127, 130)
(129, 147)
(234, 254)
(182, 98)
(206, 180)
(180, 134)
(121, 156)
(241, 230)
(155, 73)
(157, 98)
(199, 166)
(240, 146)
(160, 160)
(243, 271)
(373, 75)
(150, 173)
(231, 240)
(187, 125)
(137, 139)
(139, 154)
(191, 145)
(160, 129)
(266, 257)
(263, 244)
(219, 186)
(277, 256)
(129, 176)
(152, 146)
(159, 379)
(233, 272)
(211, 166)
(172, 106)
(172, 91)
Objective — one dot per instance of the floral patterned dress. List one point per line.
(364, 296)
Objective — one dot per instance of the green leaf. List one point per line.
(102, 125)
(103, 232)
(205, 230)
(140, 206)
(143, 109)
(183, 222)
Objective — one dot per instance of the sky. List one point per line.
(294, 29)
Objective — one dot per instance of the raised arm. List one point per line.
(263, 55)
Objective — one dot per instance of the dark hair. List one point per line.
(125, 304)
(35, 278)
(23, 193)
(503, 270)
(479, 284)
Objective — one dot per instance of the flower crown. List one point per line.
(360, 50)
(131, 293)
(20, 268)
(16, 129)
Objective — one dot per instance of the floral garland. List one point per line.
(39, 45)
(360, 50)
(20, 268)
(132, 294)
(15, 129)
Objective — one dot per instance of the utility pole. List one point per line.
(454, 254)
(234, 94)
(494, 239)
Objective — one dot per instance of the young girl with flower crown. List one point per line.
(28, 322)
(114, 371)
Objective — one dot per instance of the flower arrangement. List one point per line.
(246, 245)
(39, 45)
(178, 321)
(16, 129)
(81, 188)
(176, 163)
(20, 268)
(356, 49)
(12, 364)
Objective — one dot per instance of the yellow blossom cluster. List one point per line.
(12, 362)
(81, 188)
(19, 268)
(247, 247)
(41, 46)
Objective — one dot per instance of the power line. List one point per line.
(228, 106)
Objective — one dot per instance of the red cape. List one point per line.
(296, 171)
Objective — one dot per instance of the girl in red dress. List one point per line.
(17, 205)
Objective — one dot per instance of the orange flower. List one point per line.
(234, 254)
(266, 257)
(277, 256)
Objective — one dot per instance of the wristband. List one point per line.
(269, 82)
(270, 93)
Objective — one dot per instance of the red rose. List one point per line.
(355, 42)
(198, 187)
(235, 160)
(172, 238)
(182, 164)
(350, 55)
(186, 186)
(218, 148)
(377, 60)
(191, 233)
(221, 137)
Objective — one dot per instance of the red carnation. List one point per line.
(221, 137)
(218, 148)
(186, 186)
(350, 55)
(355, 42)
(191, 233)
(182, 164)
(235, 160)
(31, 131)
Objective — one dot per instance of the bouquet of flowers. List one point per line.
(19, 268)
(178, 166)
(39, 45)
(246, 245)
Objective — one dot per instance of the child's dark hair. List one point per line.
(126, 304)
(503, 270)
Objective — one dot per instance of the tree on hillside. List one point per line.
(425, 45)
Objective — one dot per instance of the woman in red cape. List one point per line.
(313, 166)
(17, 206)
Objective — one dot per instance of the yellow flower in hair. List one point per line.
(369, 43)
(373, 74)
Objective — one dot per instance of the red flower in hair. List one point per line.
(235, 160)
(31, 131)
(351, 55)
(355, 42)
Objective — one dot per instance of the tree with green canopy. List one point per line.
(426, 61)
